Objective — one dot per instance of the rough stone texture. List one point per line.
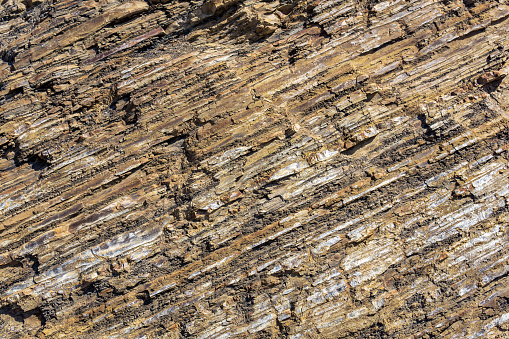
(228, 168)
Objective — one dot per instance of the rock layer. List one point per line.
(227, 168)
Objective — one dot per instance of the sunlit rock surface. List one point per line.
(254, 169)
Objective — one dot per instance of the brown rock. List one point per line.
(225, 168)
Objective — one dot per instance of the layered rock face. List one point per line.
(254, 169)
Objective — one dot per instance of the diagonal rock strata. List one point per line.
(220, 169)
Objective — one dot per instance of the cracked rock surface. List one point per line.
(254, 169)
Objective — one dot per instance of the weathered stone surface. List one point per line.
(226, 168)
